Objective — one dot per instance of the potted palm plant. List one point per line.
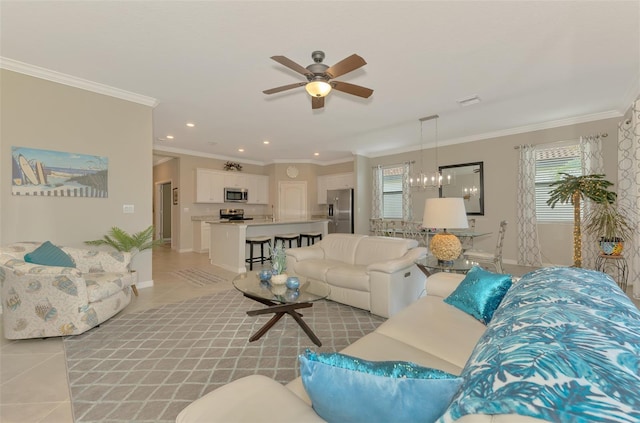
(611, 224)
(573, 189)
(123, 241)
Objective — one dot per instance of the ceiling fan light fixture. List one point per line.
(318, 88)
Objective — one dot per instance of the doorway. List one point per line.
(292, 200)
(162, 215)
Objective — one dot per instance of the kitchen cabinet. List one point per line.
(210, 185)
(258, 186)
(201, 236)
(336, 181)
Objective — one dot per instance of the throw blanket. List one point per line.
(563, 346)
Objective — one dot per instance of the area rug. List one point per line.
(148, 366)
(198, 277)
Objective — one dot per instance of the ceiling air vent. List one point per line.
(469, 101)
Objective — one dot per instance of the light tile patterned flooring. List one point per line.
(33, 374)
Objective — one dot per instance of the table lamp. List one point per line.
(443, 213)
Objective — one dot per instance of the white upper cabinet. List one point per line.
(336, 181)
(210, 185)
(258, 186)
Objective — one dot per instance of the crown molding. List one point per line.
(510, 131)
(73, 81)
(241, 160)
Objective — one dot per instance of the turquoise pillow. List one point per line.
(348, 389)
(480, 293)
(48, 254)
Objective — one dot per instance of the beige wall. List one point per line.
(500, 183)
(183, 175)
(40, 114)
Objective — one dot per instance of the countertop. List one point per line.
(265, 222)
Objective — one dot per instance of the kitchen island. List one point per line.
(228, 247)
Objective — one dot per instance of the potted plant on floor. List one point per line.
(573, 189)
(610, 224)
(123, 241)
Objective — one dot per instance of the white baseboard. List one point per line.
(186, 250)
(145, 284)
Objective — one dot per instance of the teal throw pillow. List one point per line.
(348, 389)
(480, 293)
(48, 254)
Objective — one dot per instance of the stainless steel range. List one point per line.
(233, 214)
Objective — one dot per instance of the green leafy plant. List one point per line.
(123, 241)
(278, 260)
(608, 221)
(575, 189)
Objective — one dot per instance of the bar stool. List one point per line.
(286, 237)
(261, 241)
(311, 237)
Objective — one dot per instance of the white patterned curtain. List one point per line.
(592, 163)
(407, 206)
(376, 195)
(528, 245)
(629, 189)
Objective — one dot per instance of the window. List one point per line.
(550, 162)
(392, 192)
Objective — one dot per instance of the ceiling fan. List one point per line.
(320, 77)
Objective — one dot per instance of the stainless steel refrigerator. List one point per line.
(340, 204)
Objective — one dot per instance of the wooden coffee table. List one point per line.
(280, 301)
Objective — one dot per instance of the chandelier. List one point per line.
(421, 179)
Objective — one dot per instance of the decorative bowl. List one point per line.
(280, 279)
(278, 289)
(293, 282)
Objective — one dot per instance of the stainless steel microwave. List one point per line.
(236, 195)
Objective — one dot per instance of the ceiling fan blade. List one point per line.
(292, 65)
(284, 88)
(347, 65)
(345, 87)
(317, 102)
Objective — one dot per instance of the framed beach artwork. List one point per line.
(47, 173)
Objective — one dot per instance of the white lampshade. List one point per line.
(445, 213)
(318, 88)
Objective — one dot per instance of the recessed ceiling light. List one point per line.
(169, 137)
(469, 101)
(241, 150)
(265, 142)
(316, 154)
(191, 124)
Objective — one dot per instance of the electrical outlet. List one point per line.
(128, 208)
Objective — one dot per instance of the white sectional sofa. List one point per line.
(369, 272)
(40, 301)
(563, 346)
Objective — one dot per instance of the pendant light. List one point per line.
(422, 179)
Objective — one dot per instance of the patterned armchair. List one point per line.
(42, 301)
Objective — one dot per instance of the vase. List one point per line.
(280, 279)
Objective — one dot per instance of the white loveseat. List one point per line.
(369, 272)
(42, 301)
(562, 346)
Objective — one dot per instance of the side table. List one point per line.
(619, 263)
(429, 265)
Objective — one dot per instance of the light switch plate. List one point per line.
(128, 208)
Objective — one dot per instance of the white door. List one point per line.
(292, 200)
